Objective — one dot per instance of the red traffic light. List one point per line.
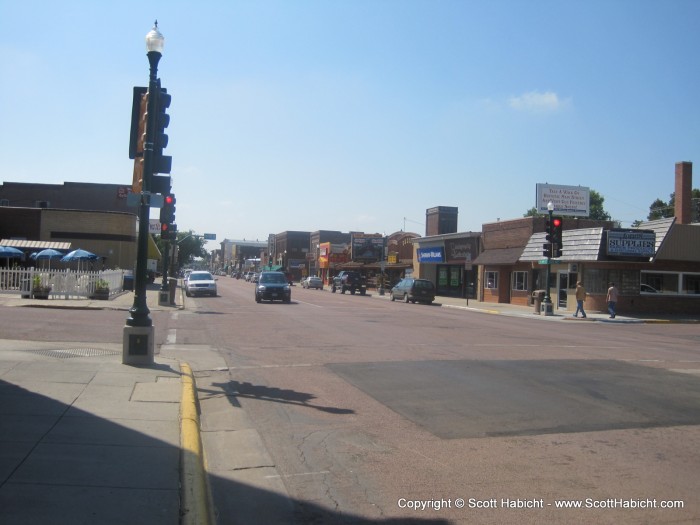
(169, 200)
(556, 223)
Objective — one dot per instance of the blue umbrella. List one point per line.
(8, 252)
(47, 254)
(79, 255)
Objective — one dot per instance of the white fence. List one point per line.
(59, 284)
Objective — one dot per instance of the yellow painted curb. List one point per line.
(195, 505)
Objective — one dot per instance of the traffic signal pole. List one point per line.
(138, 339)
(547, 303)
(139, 311)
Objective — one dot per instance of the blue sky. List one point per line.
(353, 115)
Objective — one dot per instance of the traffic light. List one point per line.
(557, 228)
(547, 250)
(550, 232)
(168, 232)
(167, 212)
(161, 163)
(557, 252)
(161, 184)
(139, 116)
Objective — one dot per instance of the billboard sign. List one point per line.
(567, 200)
(366, 247)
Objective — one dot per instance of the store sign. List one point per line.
(431, 255)
(567, 200)
(631, 243)
(460, 250)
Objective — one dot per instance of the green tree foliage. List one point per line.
(663, 210)
(189, 247)
(597, 210)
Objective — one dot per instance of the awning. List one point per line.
(153, 251)
(388, 266)
(349, 266)
(35, 245)
(274, 268)
(499, 256)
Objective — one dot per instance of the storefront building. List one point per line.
(656, 267)
(447, 261)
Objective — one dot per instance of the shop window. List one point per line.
(670, 283)
(596, 281)
(691, 283)
(519, 280)
(491, 280)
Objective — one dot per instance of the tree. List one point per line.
(664, 210)
(596, 212)
(189, 247)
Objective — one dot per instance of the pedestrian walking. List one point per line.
(612, 296)
(580, 297)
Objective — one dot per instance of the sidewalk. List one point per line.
(87, 439)
(528, 312)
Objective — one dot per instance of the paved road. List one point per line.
(355, 409)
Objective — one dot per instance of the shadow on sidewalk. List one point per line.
(62, 465)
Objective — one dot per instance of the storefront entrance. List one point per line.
(455, 281)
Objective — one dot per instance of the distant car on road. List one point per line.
(312, 282)
(200, 283)
(273, 286)
(414, 290)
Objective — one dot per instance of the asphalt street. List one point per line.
(351, 409)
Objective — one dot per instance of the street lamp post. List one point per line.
(547, 303)
(138, 332)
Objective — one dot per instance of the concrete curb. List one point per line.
(196, 503)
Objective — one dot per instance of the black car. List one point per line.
(410, 289)
(273, 286)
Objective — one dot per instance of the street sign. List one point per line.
(210, 236)
(543, 261)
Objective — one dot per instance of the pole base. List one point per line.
(547, 308)
(138, 345)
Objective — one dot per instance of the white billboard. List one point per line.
(567, 200)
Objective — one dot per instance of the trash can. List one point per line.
(26, 288)
(128, 282)
(537, 298)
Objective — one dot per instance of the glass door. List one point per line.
(563, 288)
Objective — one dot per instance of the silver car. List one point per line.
(200, 283)
(312, 282)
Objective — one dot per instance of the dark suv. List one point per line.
(273, 286)
(410, 289)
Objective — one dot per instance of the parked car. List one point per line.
(273, 286)
(414, 290)
(200, 283)
(645, 288)
(312, 282)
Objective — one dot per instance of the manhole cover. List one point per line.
(67, 353)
